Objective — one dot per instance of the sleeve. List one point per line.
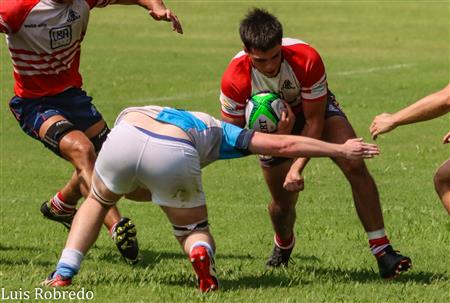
(14, 13)
(99, 3)
(310, 71)
(235, 141)
(235, 88)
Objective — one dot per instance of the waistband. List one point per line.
(164, 137)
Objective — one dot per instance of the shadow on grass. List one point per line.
(19, 248)
(305, 270)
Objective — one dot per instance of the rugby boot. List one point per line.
(63, 218)
(205, 270)
(124, 236)
(391, 264)
(57, 281)
(279, 257)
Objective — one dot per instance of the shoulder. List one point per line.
(236, 80)
(300, 53)
(14, 13)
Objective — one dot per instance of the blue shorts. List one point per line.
(332, 109)
(74, 104)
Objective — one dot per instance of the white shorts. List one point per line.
(169, 167)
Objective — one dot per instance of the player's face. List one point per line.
(268, 62)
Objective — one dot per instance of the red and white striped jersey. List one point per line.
(43, 37)
(301, 78)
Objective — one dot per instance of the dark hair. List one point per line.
(260, 30)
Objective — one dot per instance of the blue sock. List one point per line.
(69, 263)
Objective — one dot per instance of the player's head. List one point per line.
(262, 33)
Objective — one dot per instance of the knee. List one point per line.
(283, 205)
(441, 179)
(78, 149)
(355, 169)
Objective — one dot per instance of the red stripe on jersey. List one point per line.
(236, 81)
(14, 12)
(305, 62)
(51, 60)
(48, 85)
(29, 52)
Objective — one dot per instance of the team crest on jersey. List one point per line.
(73, 15)
(287, 84)
(60, 36)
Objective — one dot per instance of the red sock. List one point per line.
(285, 244)
(377, 245)
(58, 205)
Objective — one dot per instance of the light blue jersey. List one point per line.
(213, 139)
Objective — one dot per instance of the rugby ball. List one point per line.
(263, 111)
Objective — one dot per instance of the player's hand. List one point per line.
(294, 182)
(287, 121)
(382, 124)
(446, 138)
(358, 149)
(162, 13)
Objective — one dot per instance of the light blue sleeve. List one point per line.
(235, 141)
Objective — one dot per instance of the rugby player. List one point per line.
(164, 150)
(429, 107)
(294, 69)
(44, 38)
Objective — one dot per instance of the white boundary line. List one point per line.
(373, 69)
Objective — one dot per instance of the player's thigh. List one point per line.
(338, 130)
(275, 176)
(185, 216)
(443, 173)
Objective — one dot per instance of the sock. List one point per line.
(204, 244)
(69, 263)
(111, 230)
(58, 205)
(284, 244)
(378, 241)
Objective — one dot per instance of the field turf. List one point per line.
(380, 56)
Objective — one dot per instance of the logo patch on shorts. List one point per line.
(60, 36)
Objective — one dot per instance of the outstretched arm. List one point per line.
(158, 11)
(429, 107)
(300, 146)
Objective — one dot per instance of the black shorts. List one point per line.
(332, 109)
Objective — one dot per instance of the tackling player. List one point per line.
(295, 70)
(429, 107)
(44, 39)
(164, 149)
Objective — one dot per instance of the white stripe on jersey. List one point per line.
(319, 89)
(230, 107)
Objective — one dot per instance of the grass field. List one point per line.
(380, 56)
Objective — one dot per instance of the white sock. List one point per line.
(204, 244)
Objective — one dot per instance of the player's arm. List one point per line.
(157, 9)
(300, 146)
(314, 113)
(429, 107)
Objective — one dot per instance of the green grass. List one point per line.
(380, 56)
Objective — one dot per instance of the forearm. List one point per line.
(292, 146)
(427, 108)
(311, 130)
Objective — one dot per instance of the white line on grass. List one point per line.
(374, 69)
(190, 96)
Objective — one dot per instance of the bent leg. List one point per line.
(442, 184)
(364, 190)
(282, 205)
(192, 232)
